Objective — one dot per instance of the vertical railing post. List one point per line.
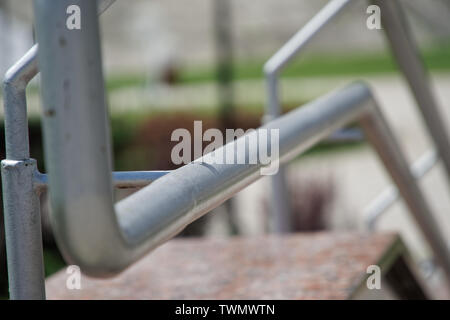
(21, 203)
(280, 208)
(408, 59)
(22, 230)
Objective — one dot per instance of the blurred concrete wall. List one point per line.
(155, 32)
(148, 34)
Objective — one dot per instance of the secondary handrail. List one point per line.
(14, 86)
(292, 48)
(407, 56)
(281, 210)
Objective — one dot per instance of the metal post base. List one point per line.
(22, 230)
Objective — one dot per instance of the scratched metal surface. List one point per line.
(301, 266)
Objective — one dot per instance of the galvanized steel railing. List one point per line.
(101, 237)
(22, 183)
(407, 57)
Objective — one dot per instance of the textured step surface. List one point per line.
(299, 266)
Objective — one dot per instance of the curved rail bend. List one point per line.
(103, 238)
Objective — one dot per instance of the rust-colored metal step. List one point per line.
(298, 266)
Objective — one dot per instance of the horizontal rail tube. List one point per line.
(121, 179)
(199, 187)
(304, 35)
(135, 179)
(346, 135)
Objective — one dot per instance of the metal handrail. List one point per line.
(281, 210)
(121, 179)
(15, 83)
(407, 57)
(291, 50)
(103, 238)
(20, 200)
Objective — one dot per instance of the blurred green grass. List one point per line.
(53, 261)
(435, 58)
